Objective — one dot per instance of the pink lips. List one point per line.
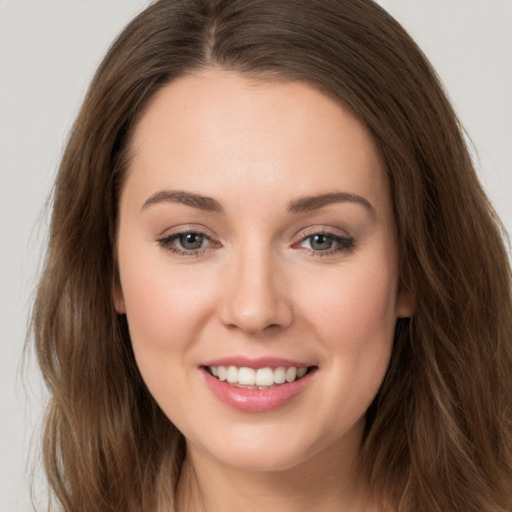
(256, 400)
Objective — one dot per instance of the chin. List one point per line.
(273, 449)
(258, 460)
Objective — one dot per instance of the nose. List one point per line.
(255, 298)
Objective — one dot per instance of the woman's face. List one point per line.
(256, 243)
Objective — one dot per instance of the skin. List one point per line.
(258, 285)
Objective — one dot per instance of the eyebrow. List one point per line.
(301, 205)
(311, 203)
(179, 196)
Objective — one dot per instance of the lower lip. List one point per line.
(257, 400)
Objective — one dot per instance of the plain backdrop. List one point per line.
(48, 52)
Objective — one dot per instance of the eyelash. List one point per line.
(167, 242)
(344, 244)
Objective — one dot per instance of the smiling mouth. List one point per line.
(261, 378)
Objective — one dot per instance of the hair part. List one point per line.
(439, 433)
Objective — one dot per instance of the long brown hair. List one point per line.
(439, 433)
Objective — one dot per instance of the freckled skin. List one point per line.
(257, 286)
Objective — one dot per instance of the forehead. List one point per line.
(217, 130)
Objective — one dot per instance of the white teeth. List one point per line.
(246, 376)
(265, 377)
(291, 373)
(261, 378)
(232, 374)
(222, 371)
(280, 375)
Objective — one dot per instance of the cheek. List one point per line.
(353, 312)
(164, 303)
(165, 311)
(354, 319)
(361, 300)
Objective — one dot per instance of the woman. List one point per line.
(262, 286)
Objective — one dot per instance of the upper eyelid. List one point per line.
(322, 230)
(181, 229)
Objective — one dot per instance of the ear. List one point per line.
(118, 298)
(405, 304)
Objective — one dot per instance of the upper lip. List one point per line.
(255, 363)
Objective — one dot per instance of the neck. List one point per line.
(325, 484)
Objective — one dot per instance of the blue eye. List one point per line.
(187, 243)
(191, 241)
(326, 243)
(320, 242)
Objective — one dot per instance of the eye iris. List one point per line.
(191, 241)
(321, 242)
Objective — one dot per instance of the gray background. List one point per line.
(48, 52)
